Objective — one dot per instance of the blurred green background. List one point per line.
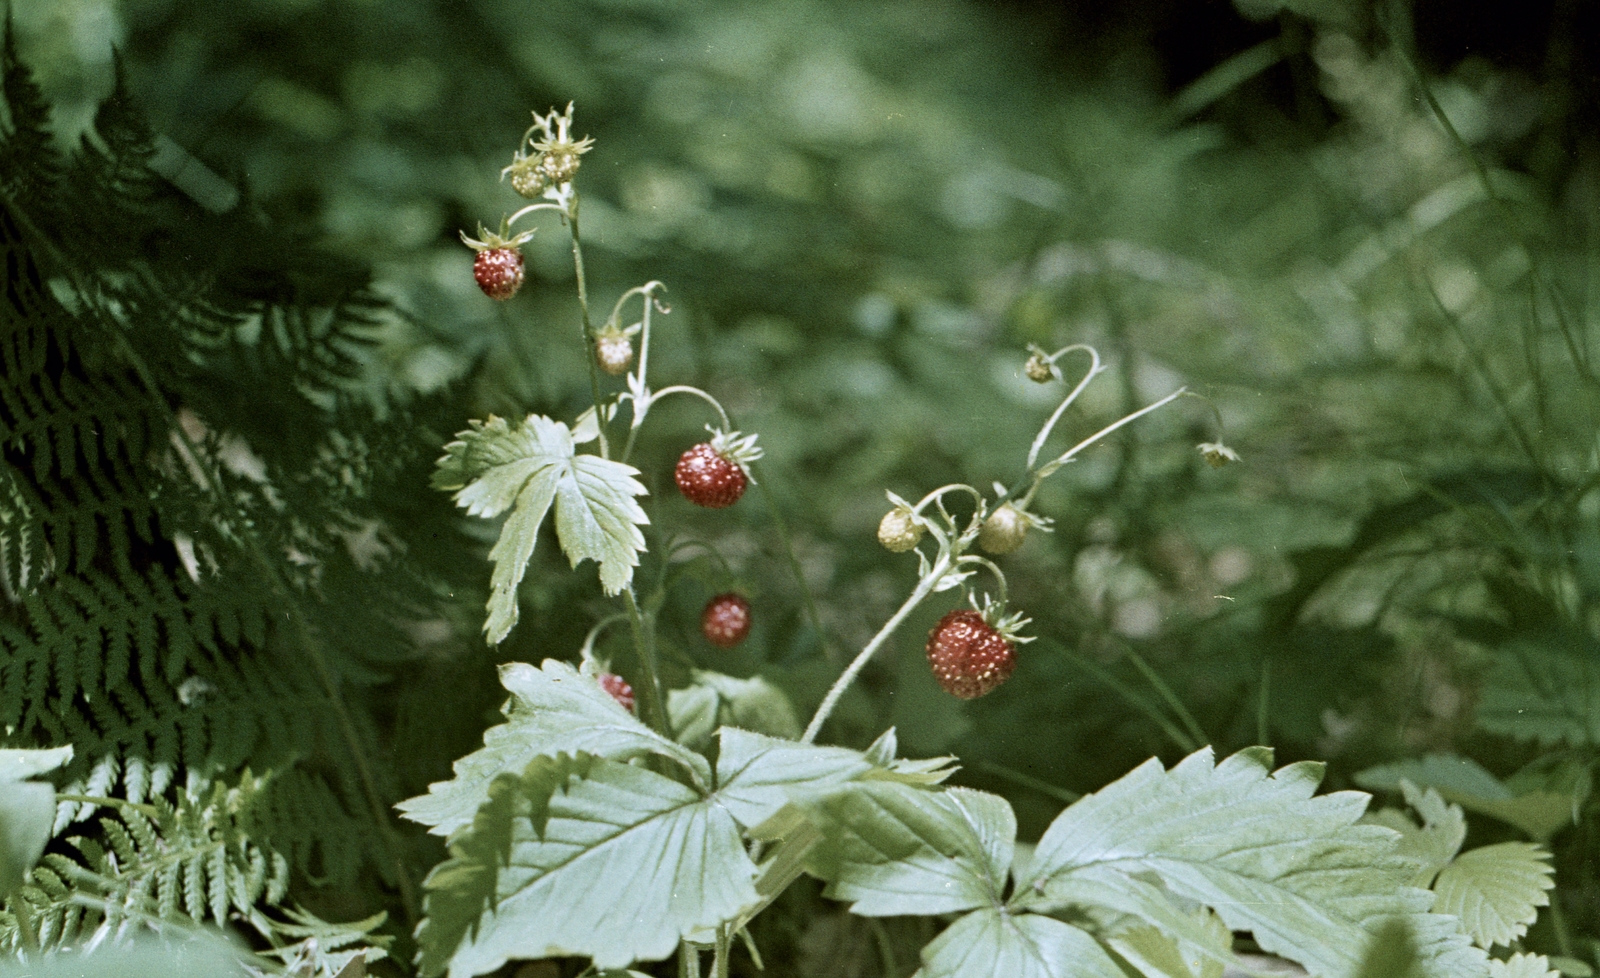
(864, 212)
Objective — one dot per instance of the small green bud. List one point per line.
(899, 530)
(1004, 530)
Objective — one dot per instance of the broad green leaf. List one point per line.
(588, 857)
(1541, 692)
(756, 775)
(894, 848)
(27, 810)
(714, 700)
(1523, 966)
(1496, 890)
(928, 770)
(494, 468)
(1296, 871)
(553, 710)
(990, 942)
(1463, 781)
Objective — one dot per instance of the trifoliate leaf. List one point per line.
(1496, 890)
(553, 710)
(1463, 781)
(27, 811)
(625, 864)
(496, 468)
(993, 942)
(1296, 871)
(1523, 966)
(895, 849)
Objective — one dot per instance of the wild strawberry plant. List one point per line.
(581, 829)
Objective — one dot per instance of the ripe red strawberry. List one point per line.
(498, 264)
(618, 688)
(498, 272)
(714, 473)
(969, 658)
(726, 620)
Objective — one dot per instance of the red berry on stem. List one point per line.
(708, 478)
(968, 657)
(618, 688)
(498, 272)
(726, 620)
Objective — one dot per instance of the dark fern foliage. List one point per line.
(196, 575)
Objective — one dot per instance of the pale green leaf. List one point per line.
(1463, 781)
(1432, 844)
(895, 848)
(553, 710)
(756, 774)
(714, 699)
(20, 765)
(1523, 966)
(1496, 890)
(1296, 871)
(989, 943)
(527, 469)
(693, 712)
(625, 864)
(27, 811)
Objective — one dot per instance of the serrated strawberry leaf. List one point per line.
(552, 710)
(1156, 955)
(714, 699)
(585, 856)
(1523, 966)
(993, 942)
(895, 848)
(1296, 871)
(1496, 891)
(494, 468)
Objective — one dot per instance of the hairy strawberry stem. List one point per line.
(941, 566)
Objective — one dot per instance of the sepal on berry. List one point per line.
(738, 448)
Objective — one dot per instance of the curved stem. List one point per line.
(519, 215)
(653, 702)
(1108, 429)
(1094, 370)
(586, 650)
(924, 587)
(999, 576)
(686, 389)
